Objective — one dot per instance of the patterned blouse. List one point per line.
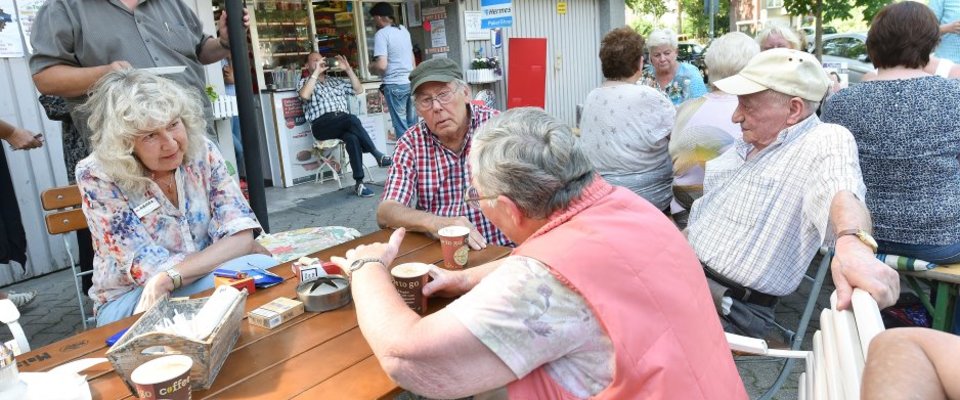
(908, 138)
(130, 249)
(687, 83)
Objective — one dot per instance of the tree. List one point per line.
(829, 10)
(698, 22)
(648, 7)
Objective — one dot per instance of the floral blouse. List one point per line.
(130, 249)
(687, 83)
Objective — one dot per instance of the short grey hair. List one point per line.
(662, 37)
(532, 158)
(786, 33)
(124, 105)
(728, 54)
(783, 98)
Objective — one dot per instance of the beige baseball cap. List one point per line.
(787, 71)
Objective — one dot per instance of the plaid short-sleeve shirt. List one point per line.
(430, 177)
(328, 96)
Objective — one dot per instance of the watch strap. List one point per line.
(359, 263)
(851, 231)
(175, 277)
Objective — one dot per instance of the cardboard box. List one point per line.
(276, 312)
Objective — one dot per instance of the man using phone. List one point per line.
(325, 106)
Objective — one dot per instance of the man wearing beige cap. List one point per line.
(425, 187)
(772, 200)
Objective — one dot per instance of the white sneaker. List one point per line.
(21, 299)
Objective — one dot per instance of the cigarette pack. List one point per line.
(276, 312)
(240, 284)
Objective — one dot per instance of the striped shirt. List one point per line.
(430, 177)
(329, 95)
(761, 220)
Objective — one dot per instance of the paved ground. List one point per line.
(54, 314)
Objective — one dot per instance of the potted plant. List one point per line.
(484, 69)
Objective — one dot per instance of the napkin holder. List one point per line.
(141, 343)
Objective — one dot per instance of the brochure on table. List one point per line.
(298, 163)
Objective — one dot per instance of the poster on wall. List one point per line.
(471, 21)
(297, 161)
(11, 41)
(438, 35)
(496, 14)
(28, 10)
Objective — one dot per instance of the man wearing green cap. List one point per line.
(425, 186)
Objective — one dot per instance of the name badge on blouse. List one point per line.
(146, 208)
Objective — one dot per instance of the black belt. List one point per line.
(740, 292)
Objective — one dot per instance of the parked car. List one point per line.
(810, 34)
(850, 48)
(693, 53)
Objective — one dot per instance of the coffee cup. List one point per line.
(166, 377)
(409, 280)
(453, 243)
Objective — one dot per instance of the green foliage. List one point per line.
(836, 9)
(642, 26)
(648, 7)
(697, 24)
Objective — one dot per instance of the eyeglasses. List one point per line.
(472, 197)
(444, 97)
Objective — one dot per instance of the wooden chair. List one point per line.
(67, 216)
(327, 152)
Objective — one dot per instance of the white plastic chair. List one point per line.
(10, 315)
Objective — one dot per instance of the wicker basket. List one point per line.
(208, 355)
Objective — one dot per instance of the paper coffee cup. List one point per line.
(167, 377)
(409, 279)
(453, 243)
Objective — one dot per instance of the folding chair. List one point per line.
(67, 217)
(324, 151)
(816, 282)
(834, 367)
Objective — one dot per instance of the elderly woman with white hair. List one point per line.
(679, 81)
(625, 127)
(603, 298)
(776, 36)
(162, 209)
(704, 127)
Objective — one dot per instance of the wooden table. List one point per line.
(947, 279)
(312, 356)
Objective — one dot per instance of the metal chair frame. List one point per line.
(319, 146)
(816, 285)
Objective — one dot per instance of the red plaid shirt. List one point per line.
(437, 176)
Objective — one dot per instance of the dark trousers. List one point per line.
(346, 127)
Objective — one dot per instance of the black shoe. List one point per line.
(362, 191)
(384, 161)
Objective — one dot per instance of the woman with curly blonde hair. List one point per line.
(161, 207)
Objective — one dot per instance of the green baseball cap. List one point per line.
(435, 70)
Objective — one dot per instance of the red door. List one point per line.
(527, 85)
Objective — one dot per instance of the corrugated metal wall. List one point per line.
(31, 171)
(573, 41)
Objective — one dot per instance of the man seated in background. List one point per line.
(602, 298)
(424, 189)
(325, 106)
(770, 201)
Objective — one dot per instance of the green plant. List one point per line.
(212, 94)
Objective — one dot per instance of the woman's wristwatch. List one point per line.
(175, 277)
